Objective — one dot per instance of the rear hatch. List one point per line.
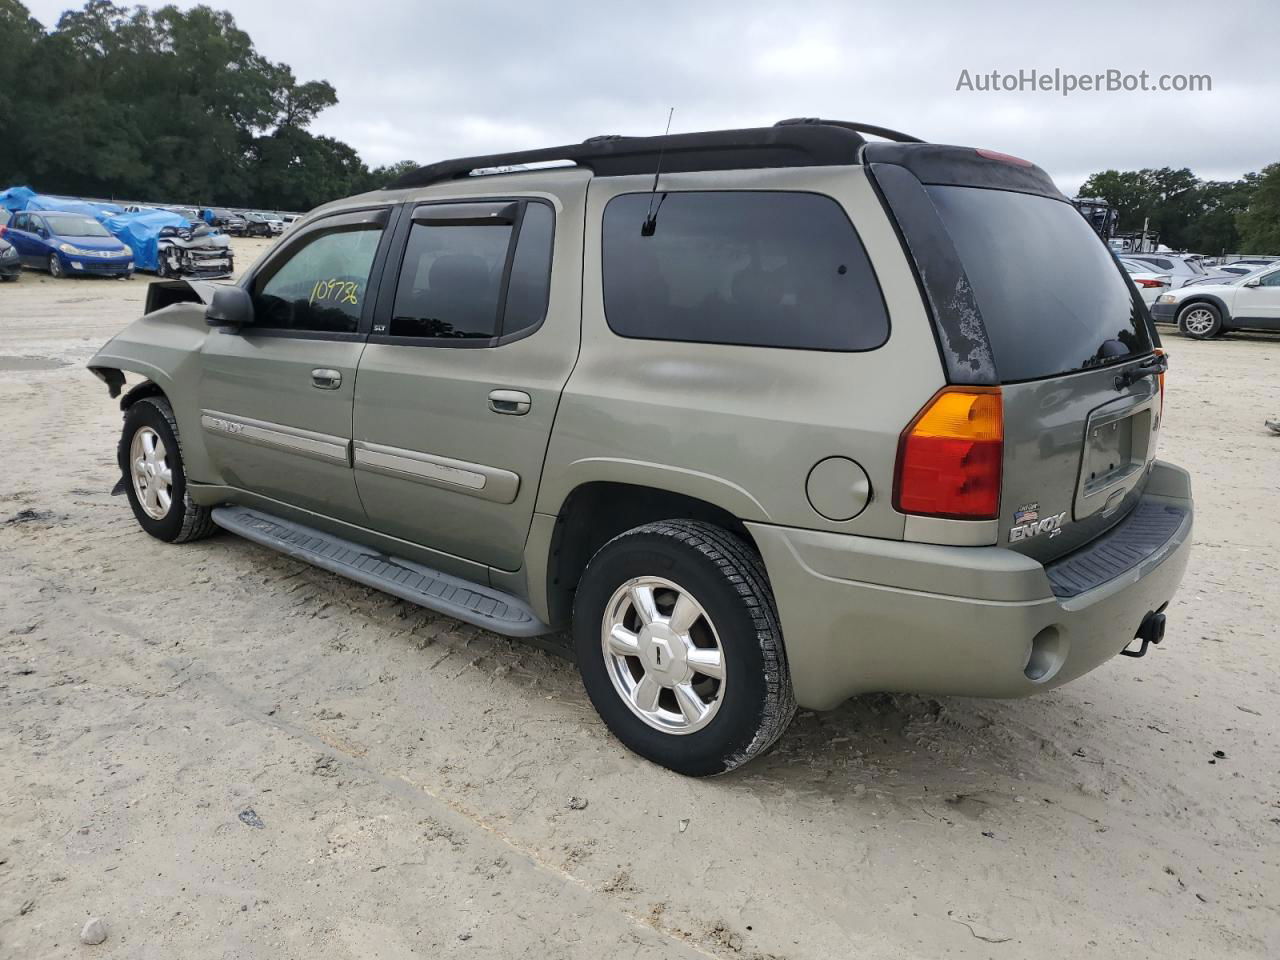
(1026, 296)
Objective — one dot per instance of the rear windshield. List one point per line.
(1051, 297)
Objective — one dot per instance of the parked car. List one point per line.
(68, 244)
(1150, 285)
(10, 262)
(753, 447)
(191, 213)
(259, 225)
(1206, 310)
(1180, 269)
(232, 223)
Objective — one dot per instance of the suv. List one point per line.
(1202, 311)
(770, 417)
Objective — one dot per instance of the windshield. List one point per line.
(1051, 295)
(68, 225)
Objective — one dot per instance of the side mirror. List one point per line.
(1253, 282)
(230, 307)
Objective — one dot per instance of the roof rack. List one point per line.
(803, 142)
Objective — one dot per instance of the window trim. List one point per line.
(395, 264)
(350, 218)
(884, 303)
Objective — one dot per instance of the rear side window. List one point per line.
(754, 268)
(1051, 297)
(475, 280)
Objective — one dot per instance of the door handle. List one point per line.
(515, 403)
(325, 379)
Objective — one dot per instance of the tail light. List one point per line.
(1144, 282)
(950, 456)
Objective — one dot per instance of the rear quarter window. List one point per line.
(751, 268)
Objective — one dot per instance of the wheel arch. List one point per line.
(596, 511)
(1211, 299)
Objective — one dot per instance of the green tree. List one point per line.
(1259, 224)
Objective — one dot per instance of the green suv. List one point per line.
(769, 417)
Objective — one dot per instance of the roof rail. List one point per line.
(784, 145)
(870, 128)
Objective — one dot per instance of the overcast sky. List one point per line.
(426, 80)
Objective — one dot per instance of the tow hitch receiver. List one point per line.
(1151, 631)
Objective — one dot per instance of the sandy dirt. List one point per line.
(225, 753)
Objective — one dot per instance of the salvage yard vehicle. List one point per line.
(196, 251)
(10, 262)
(260, 225)
(770, 417)
(68, 244)
(1203, 311)
(232, 223)
(1150, 285)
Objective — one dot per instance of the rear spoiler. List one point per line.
(943, 165)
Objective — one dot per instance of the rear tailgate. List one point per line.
(1027, 296)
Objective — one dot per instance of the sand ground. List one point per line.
(228, 754)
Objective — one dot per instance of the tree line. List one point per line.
(1204, 216)
(167, 105)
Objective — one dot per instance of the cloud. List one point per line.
(430, 80)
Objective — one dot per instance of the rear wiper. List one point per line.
(1154, 364)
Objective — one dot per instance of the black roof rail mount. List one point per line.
(870, 128)
(788, 144)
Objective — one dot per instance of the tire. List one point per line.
(1200, 321)
(181, 520)
(55, 267)
(739, 715)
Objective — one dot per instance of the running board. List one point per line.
(458, 598)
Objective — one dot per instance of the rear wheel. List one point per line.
(150, 458)
(1200, 321)
(680, 649)
(56, 269)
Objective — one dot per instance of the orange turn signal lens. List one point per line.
(951, 456)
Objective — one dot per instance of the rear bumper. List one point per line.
(862, 615)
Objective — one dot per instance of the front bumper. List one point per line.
(861, 615)
(1164, 312)
(10, 266)
(99, 266)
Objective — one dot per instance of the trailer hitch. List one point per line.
(1151, 631)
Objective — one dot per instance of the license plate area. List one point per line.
(1117, 450)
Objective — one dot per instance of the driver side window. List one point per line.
(320, 286)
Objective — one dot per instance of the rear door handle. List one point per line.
(514, 403)
(325, 379)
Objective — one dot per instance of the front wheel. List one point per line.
(150, 458)
(56, 270)
(1200, 321)
(678, 642)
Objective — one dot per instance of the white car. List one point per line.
(1149, 284)
(1180, 268)
(1205, 310)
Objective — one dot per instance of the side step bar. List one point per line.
(458, 598)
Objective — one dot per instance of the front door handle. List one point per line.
(515, 403)
(325, 379)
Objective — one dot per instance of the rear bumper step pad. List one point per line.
(470, 602)
(1147, 528)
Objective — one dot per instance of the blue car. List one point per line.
(67, 244)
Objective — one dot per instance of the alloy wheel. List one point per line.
(152, 476)
(663, 655)
(1198, 321)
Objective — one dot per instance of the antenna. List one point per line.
(651, 219)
